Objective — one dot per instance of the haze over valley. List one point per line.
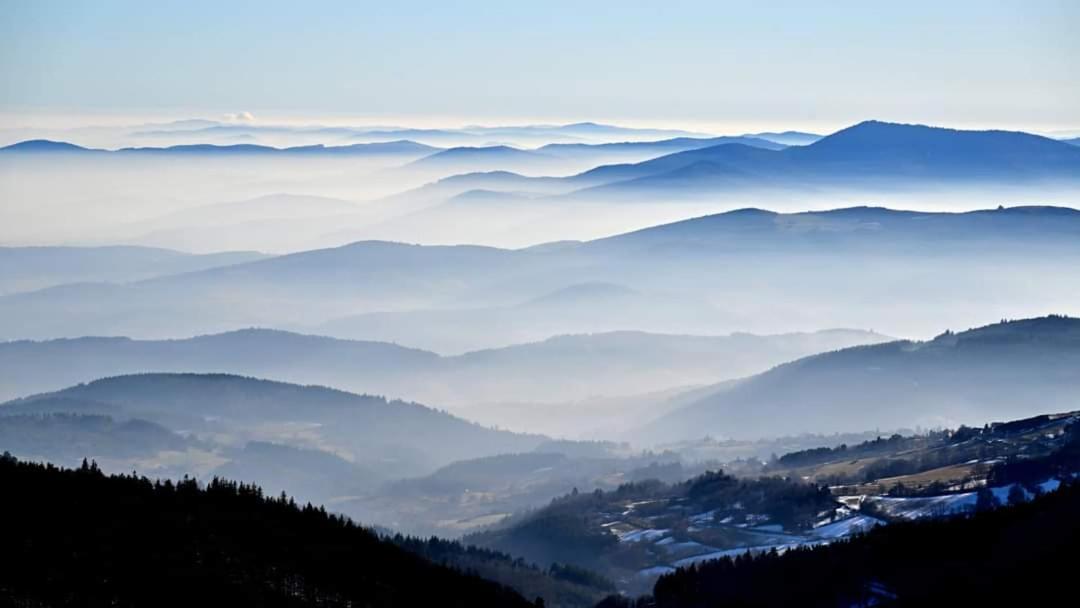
(573, 306)
(322, 339)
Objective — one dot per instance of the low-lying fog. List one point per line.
(602, 292)
(209, 199)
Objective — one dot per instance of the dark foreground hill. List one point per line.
(79, 538)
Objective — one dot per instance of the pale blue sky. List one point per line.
(715, 64)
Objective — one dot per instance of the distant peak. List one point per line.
(254, 332)
(875, 127)
(878, 126)
(749, 212)
(860, 211)
(495, 148)
(44, 145)
(872, 122)
(463, 176)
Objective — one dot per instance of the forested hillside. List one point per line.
(634, 532)
(75, 537)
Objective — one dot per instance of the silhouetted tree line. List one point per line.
(954, 446)
(621, 601)
(880, 445)
(792, 503)
(1020, 555)
(1024, 467)
(993, 441)
(581, 576)
(76, 537)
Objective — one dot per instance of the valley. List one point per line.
(560, 306)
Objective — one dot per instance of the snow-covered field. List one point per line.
(947, 504)
(846, 527)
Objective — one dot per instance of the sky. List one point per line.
(708, 65)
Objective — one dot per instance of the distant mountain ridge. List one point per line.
(871, 155)
(787, 138)
(932, 149)
(394, 292)
(864, 227)
(860, 155)
(474, 155)
(395, 148)
(509, 373)
(468, 135)
(665, 145)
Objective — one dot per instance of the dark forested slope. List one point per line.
(80, 538)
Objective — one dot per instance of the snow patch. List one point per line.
(847, 527)
(655, 571)
(643, 535)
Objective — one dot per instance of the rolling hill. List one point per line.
(787, 138)
(393, 437)
(488, 158)
(711, 275)
(33, 367)
(633, 151)
(856, 228)
(1007, 370)
(294, 288)
(47, 146)
(448, 187)
(747, 270)
(561, 368)
(65, 439)
(32, 268)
